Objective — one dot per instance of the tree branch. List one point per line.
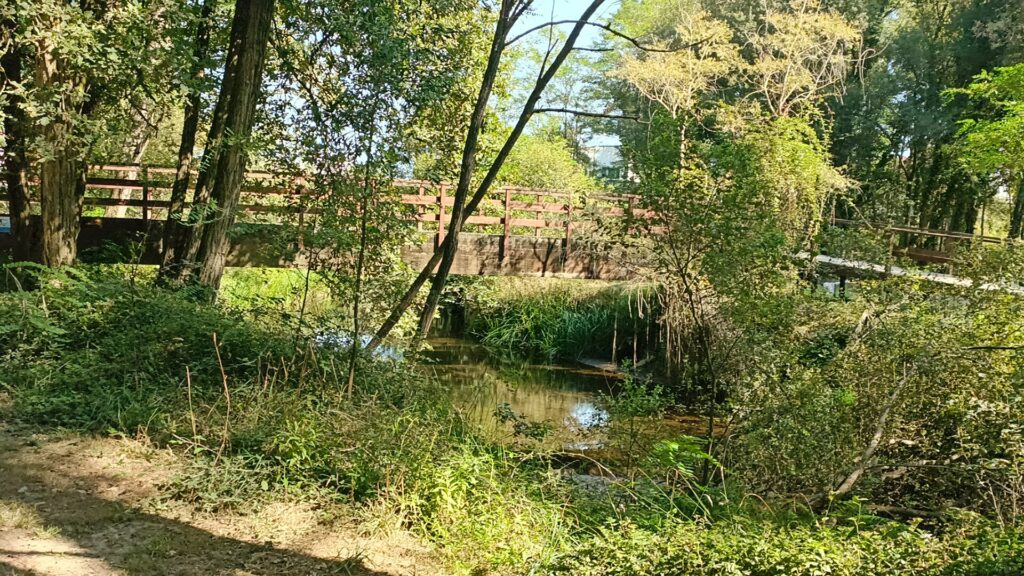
(607, 28)
(633, 117)
(866, 457)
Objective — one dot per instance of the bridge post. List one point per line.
(568, 226)
(419, 210)
(629, 217)
(540, 214)
(145, 194)
(507, 221)
(440, 215)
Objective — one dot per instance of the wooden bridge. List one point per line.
(515, 231)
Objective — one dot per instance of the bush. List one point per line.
(491, 512)
(759, 548)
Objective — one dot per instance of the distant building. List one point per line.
(606, 164)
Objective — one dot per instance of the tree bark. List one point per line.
(451, 241)
(250, 35)
(59, 174)
(1017, 217)
(176, 231)
(15, 167)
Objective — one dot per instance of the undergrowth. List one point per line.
(259, 412)
(554, 318)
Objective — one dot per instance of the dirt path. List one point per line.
(72, 505)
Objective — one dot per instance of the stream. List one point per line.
(562, 395)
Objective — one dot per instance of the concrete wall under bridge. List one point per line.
(263, 245)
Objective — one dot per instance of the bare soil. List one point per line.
(74, 505)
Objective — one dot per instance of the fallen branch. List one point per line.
(866, 457)
(887, 510)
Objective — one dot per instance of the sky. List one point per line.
(549, 10)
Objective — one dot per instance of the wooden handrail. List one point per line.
(543, 209)
(546, 214)
(924, 231)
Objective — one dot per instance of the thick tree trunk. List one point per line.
(60, 173)
(175, 231)
(15, 165)
(250, 35)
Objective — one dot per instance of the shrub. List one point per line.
(759, 548)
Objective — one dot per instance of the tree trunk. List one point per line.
(175, 231)
(250, 34)
(1017, 217)
(358, 289)
(15, 165)
(468, 166)
(451, 242)
(60, 200)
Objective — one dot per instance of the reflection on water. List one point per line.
(561, 396)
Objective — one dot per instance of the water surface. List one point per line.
(561, 395)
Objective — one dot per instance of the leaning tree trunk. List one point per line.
(250, 34)
(445, 254)
(59, 174)
(15, 166)
(176, 231)
(451, 242)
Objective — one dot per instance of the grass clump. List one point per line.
(491, 510)
(552, 318)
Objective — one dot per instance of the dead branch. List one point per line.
(607, 28)
(634, 117)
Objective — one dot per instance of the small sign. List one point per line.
(5, 224)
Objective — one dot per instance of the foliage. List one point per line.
(739, 546)
(905, 392)
(545, 162)
(96, 350)
(558, 318)
(991, 145)
(108, 60)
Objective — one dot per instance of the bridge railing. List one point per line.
(923, 244)
(143, 192)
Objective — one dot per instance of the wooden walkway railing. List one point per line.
(141, 192)
(940, 246)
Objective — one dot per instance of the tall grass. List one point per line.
(258, 414)
(550, 318)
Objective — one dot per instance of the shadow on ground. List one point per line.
(76, 531)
